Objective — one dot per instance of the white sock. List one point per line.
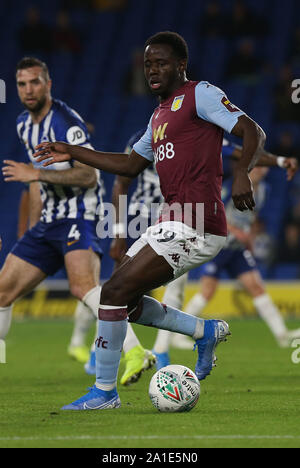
(5, 320)
(174, 295)
(131, 340)
(84, 318)
(105, 387)
(162, 342)
(270, 314)
(92, 300)
(196, 305)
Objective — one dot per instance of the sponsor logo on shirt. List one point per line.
(229, 106)
(159, 133)
(75, 135)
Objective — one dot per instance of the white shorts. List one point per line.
(180, 245)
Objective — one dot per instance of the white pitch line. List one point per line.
(152, 437)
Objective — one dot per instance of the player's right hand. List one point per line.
(52, 152)
(292, 166)
(242, 191)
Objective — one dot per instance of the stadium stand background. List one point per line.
(92, 80)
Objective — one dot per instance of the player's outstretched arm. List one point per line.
(116, 163)
(267, 159)
(291, 165)
(253, 138)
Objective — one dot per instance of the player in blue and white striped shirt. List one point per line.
(63, 200)
(71, 198)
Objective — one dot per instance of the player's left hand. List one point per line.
(242, 191)
(292, 166)
(19, 172)
(51, 153)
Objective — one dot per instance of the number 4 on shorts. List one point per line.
(74, 233)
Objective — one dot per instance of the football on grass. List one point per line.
(174, 388)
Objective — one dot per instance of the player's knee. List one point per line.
(114, 293)
(6, 298)
(254, 287)
(80, 290)
(256, 290)
(208, 287)
(208, 292)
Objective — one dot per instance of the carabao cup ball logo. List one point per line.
(174, 388)
(169, 386)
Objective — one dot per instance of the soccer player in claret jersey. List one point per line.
(184, 138)
(147, 196)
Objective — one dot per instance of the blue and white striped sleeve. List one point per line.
(68, 126)
(213, 106)
(143, 147)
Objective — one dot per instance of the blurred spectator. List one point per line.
(289, 252)
(285, 109)
(243, 22)
(65, 37)
(212, 23)
(73, 4)
(90, 127)
(34, 35)
(294, 51)
(294, 199)
(286, 146)
(109, 4)
(134, 82)
(295, 213)
(244, 65)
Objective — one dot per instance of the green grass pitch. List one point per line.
(250, 400)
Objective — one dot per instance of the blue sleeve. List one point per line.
(228, 150)
(226, 191)
(21, 146)
(213, 106)
(144, 146)
(23, 155)
(136, 137)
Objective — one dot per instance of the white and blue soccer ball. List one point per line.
(174, 388)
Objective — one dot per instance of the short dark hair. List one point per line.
(172, 39)
(29, 62)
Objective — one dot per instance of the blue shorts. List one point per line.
(234, 262)
(46, 244)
